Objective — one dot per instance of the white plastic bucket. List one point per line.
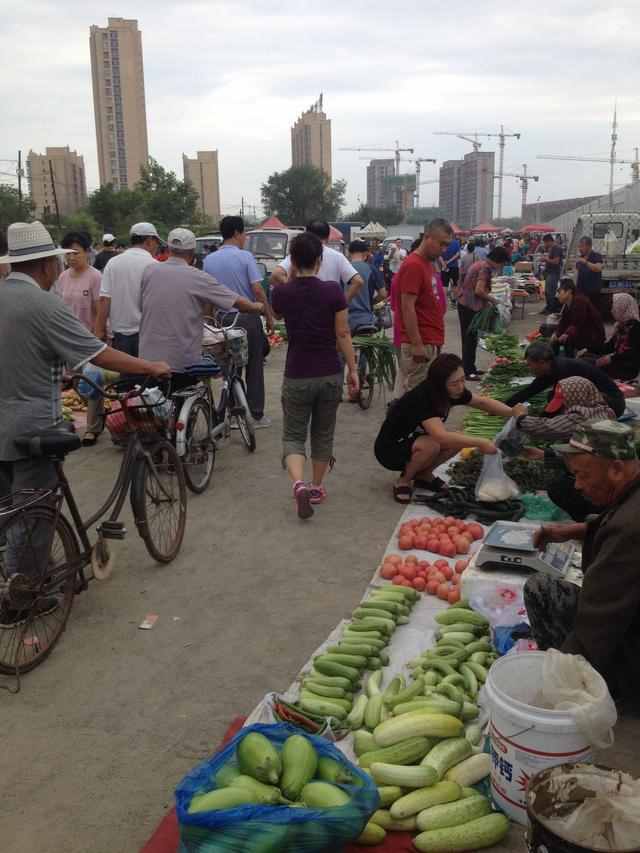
(525, 739)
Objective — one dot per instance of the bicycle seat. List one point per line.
(207, 367)
(55, 441)
(365, 330)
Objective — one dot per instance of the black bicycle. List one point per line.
(43, 555)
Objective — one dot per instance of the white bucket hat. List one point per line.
(30, 241)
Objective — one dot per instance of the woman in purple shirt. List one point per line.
(315, 313)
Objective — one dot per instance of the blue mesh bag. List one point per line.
(271, 829)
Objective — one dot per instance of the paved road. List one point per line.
(94, 744)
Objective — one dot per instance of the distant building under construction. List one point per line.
(56, 179)
(311, 139)
(466, 189)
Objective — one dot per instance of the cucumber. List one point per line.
(322, 795)
(470, 680)
(459, 626)
(463, 604)
(347, 704)
(222, 798)
(322, 689)
(375, 642)
(473, 835)
(228, 773)
(356, 661)
(329, 680)
(455, 814)
(268, 795)
(478, 670)
(388, 606)
(389, 794)
(456, 679)
(429, 705)
(469, 711)
(330, 770)
(328, 667)
(259, 758)
(450, 691)
(411, 692)
(372, 835)
(299, 765)
(356, 716)
(463, 637)
(344, 648)
(424, 798)
(400, 728)
(386, 626)
(384, 657)
(459, 614)
(482, 645)
(409, 751)
(374, 683)
(393, 688)
(447, 753)
(321, 707)
(406, 777)
(402, 620)
(471, 770)
(363, 741)
(431, 678)
(375, 663)
(384, 819)
(372, 711)
(373, 613)
(473, 733)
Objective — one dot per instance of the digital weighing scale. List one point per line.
(508, 545)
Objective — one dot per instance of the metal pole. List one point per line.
(55, 195)
(397, 157)
(418, 165)
(20, 177)
(614, 139)
(524, 182)
(500, 170)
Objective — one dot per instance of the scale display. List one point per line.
(509, 545)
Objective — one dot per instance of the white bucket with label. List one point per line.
(525, 739)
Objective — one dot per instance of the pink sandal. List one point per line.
(302, 499)
(317, 494)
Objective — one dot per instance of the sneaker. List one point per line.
(11, 618)
(303, 500)
(262, 423)
(317, 494)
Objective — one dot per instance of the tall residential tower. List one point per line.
(466, 188)
(119, 102)
(56, 180)
(202, 173)
(311, 139)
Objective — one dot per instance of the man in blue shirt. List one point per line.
(236, 268)
(451, 258)
(361, 305)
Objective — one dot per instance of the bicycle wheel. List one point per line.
(367, 382)
(34, 611)
(245, 421)
(159, 501)
(200, 457)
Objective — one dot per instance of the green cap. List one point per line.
(609, 439)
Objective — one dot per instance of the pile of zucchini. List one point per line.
(327, 690)
(424, 753)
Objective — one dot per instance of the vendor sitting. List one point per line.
(580, 326)
(602, 620)
(575, 401)
(413, 439)
(549, 369)
(620, 356)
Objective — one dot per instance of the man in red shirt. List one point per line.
(421, 310)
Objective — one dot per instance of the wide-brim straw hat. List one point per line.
(30, 241)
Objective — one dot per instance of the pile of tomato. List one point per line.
(439, 578)
(445, 536)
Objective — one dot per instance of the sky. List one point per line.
(235, 76)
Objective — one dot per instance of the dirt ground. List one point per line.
(95, 743)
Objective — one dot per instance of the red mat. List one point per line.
(166, 838)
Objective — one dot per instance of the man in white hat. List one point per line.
(173, 297)
(120, 289)
(39, 336)
(107, 252)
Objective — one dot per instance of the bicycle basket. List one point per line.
(148, 412)
(213, 342)
(237, 347)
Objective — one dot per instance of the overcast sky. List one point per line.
(235, 76)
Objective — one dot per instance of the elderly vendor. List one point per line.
(602, 620)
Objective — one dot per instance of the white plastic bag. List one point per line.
(493, 484)
(570, 683)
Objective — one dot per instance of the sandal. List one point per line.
(89, 439)
(303, 500)
(435, 484)
(402, 494)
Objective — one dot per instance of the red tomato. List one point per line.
(424, 565)
(461, 565)
(420, 542)
(440, 563)
(443, 591)
(452, 531)
(437, 576)
(447, 571)
(433, 545)
(448, 550)
(394, 558)
(406, 543)
(449, 520)
(388, 571)
(409, 571)
(462, 545)
(454, 595)
(406, 582)
(419, 584)
(455, 579)
(432, 587)
(476, 531)
(411, 558)
(398, 580)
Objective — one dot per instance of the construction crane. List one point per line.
(472, 137)
(396, 151)
(524, 179)
(612, 160)
(419, 161)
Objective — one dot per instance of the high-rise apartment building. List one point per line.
(311, 139)
(379, 189)
(119, 102)
(202, 173)
(466, 188)
(67, 187)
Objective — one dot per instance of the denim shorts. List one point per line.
(310, 407)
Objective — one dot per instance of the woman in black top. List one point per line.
(620, 357)
(400, 446)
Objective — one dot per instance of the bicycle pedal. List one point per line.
(237, 411)
(112, 530)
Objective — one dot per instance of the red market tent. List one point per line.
(537, 228)
(335, 236)
(273, 222)
(456, 229)
(485, 228)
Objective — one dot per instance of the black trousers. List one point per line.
(469, 339)
(254, 371)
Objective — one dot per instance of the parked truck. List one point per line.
(614, 235)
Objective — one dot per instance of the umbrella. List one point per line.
(485, 228)
(456, 229)
(537, 228)
(372, 231)
(273, 222)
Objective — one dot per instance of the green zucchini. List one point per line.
(372, 711)
(323, 690)
(373, 613)
(356, 661)
(329, 680)
(259, 758)
(321, 707)
(460, 614)
(411, 692)
(347, 704)
(330, 770)
(222, 798)
(356, 716)
(329, 667)
(447, 753)
(408, 751)
(424, 798)
(363, 741)
(323, 795)
(374, 683)
(268, 795)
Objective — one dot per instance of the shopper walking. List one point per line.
(552, 265)
(475, 296)
(236, 268)
(589, 267)
(451, 271)
(120, 289)
(315, 313)
(107, 252)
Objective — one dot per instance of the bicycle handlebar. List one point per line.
(216, 321)
(106, 391)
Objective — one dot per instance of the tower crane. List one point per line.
(396, 152)
(524, 179)
(612, 159)
(419, 161)
(502, 137)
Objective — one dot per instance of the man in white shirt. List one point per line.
(333, 267)
(120, 299)
(396, 256)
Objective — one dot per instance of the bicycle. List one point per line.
(43, 555)
(366, 376)
(229, 348)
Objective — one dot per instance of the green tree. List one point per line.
(383, 215)
(12, 209)
(301, 194)
(422, 215)
(82, 220)
(116, 210)
(167, 202)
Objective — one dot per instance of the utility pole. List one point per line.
(20, 177)
(55, 195)
(614, 139)
(502, 137)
